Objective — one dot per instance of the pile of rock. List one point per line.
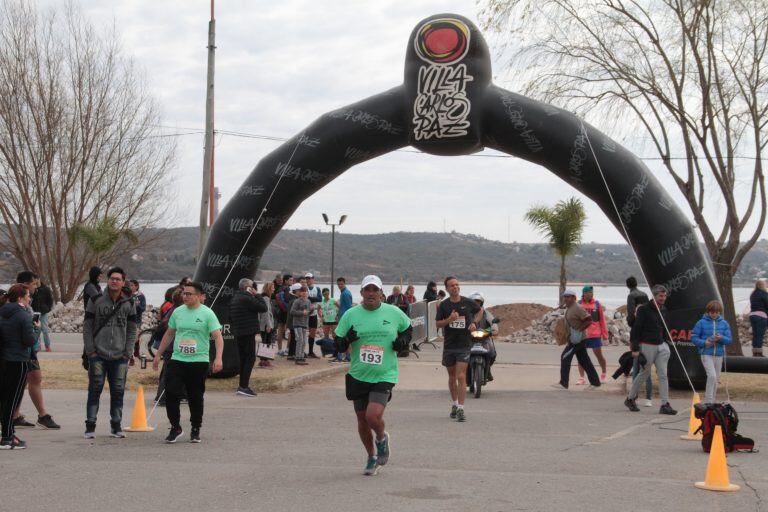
(542, 330)
(69, 317)
(745, 329)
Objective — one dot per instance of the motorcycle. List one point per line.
(479, 369)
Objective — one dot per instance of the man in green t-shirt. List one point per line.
(375, 332)
(190, 328)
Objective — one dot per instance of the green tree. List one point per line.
(101, 237)
(563, 225)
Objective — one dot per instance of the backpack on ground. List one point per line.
(724, 415)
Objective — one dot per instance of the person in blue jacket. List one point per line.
(710, 335)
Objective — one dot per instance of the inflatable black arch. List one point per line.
(448, 105)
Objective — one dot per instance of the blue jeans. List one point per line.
(116, 373)
(44, 329)
(759, 325)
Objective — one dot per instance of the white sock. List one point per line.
(456, 403)
(460, 406)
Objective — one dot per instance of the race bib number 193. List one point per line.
(187, 347)
(371, 354)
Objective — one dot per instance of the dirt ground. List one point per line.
(517, 316)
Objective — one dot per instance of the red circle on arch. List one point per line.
(441, 41)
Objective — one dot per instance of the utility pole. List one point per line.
(333, 242)
(206, 203)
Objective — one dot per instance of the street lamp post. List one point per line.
(333, 241)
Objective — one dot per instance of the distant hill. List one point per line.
(412, 257)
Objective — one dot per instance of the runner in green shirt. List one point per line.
(190, 328)
(375, 332)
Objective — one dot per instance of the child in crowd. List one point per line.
(710, 335)
(300, 309)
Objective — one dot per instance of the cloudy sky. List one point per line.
(279, 65)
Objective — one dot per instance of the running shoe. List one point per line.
(21, 422)
(667, 409)
(581, 381)
(591, 387)
(648, 402)
(454, 408)
(603, 377)
(174, 434)
(12, 443)
(245, 392)
(47, 349)
(90, 430)
(194, 436)
(460, 416)
(631, 405)
(116, 430)
(301, 362)
(312, 355)
(558, 385)
(382, 450)
(47, 422)
(371, 467)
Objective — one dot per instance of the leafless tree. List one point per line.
(693, 74)
(78, 146)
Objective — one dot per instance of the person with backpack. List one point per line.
(597, 332)
(710, 335)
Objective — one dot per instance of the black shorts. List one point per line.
(313, 322)
(361, 393)
(34, 364)
(282, 317)
(453, 356)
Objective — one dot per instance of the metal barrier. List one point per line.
(423, 322)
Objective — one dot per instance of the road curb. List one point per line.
(310, 377)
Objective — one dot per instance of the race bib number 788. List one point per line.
(187, 346)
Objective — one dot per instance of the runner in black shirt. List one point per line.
(457, 316)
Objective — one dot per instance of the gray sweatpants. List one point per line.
(301, 341)
(657, 355)
(712, 365)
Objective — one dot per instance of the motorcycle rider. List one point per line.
(486, 324)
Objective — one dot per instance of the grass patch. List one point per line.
(69, 374)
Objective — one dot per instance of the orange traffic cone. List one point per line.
(139, 416)
(717, 467)
(693, 423)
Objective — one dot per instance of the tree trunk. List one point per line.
(725, 284)
(562, 280)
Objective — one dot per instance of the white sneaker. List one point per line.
(648, 403)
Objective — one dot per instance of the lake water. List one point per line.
(610, 296)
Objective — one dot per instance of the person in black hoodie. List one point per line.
(16, 340)
(430, 294)
(244, 309)
(42, 302)
(649, 336)
(92, 288)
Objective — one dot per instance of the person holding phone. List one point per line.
(244, 310)
(710, 335)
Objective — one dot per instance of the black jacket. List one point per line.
(758, 301)
(634, 299)
(42, 300)
(16, 334)
(430, 293)
(244, 310)
(626, 361)
(648, 326)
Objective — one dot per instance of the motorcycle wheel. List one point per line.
(477, 377)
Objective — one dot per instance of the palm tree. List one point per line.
(101, 236)
(563, 225)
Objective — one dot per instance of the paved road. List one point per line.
(524, 447)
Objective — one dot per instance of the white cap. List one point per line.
(570, 292)
(309, 275)
(374, 280)
(477, 296)
(295, 286)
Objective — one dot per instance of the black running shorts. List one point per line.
(362, 393)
